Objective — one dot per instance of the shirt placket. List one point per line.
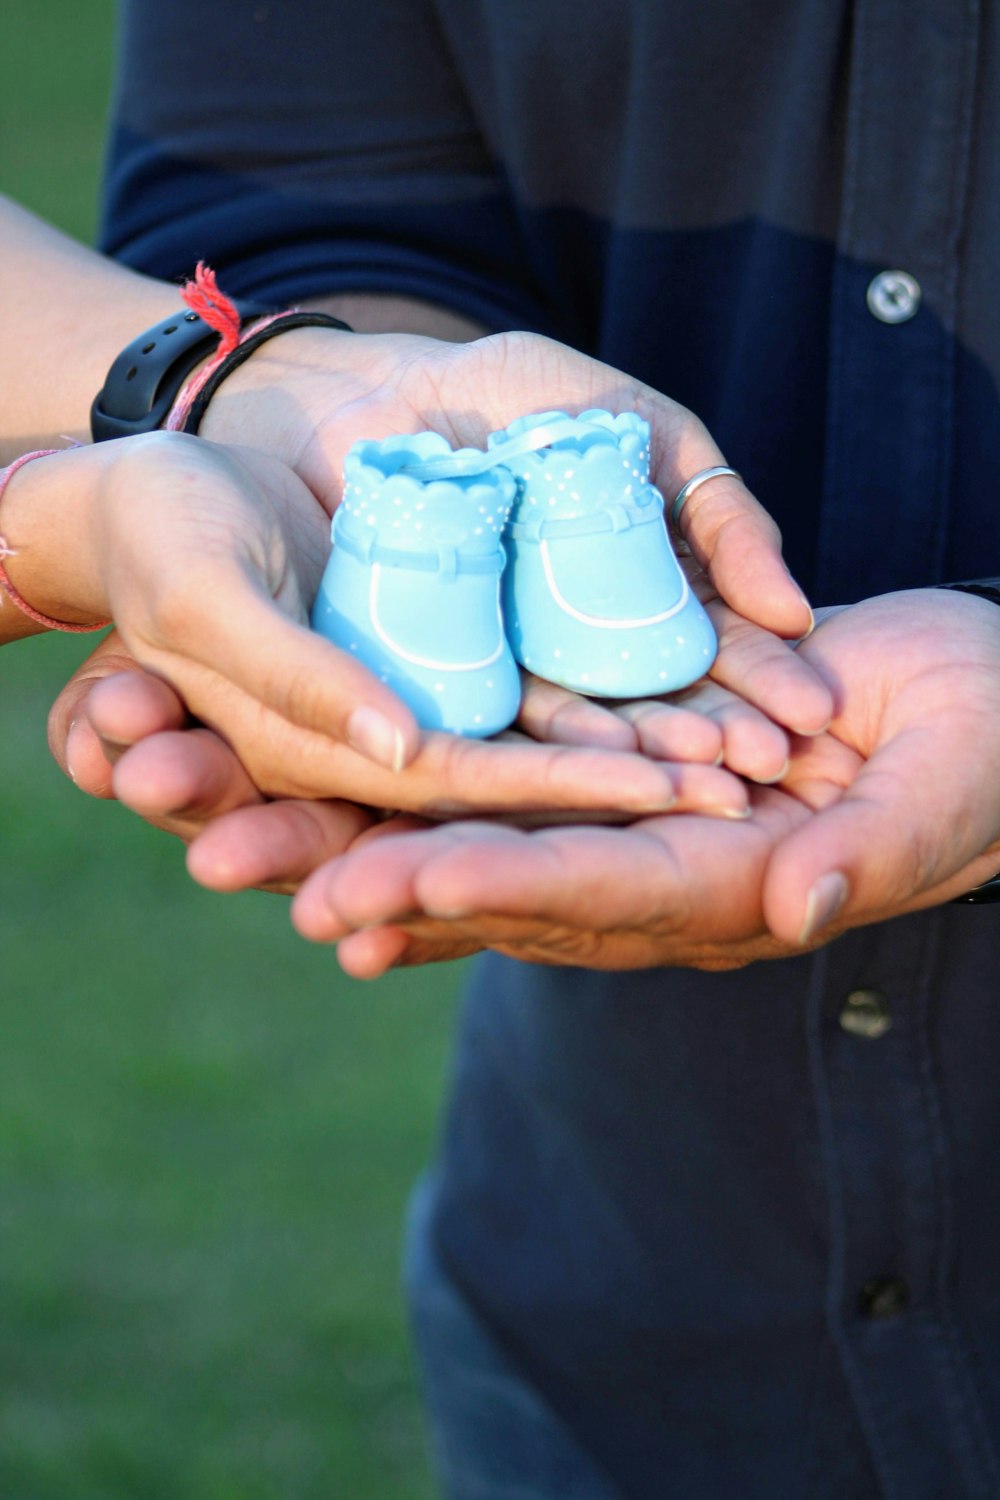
(887, 1177)
(891, 382)
(885, 518)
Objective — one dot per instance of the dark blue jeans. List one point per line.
(493, 1436)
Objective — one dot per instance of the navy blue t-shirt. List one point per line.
(671, 1194)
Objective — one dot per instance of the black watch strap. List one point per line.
(145, 378)
(983, 588)
(980, 895)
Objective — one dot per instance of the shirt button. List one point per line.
(866, 1013)
(885, 1297)
(893, 296)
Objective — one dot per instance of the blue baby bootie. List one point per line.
(412, 586)
(593, 596)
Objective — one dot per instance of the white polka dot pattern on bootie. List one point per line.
(593, 595)
(412, 585)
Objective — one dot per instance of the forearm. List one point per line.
(67, 312)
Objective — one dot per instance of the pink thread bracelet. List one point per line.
(6, 475)
(203, 296)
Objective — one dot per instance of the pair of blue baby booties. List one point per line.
(549, 549)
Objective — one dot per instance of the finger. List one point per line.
(709, 790)
(276, 844)
(757, 666)
(369, 955)
(84, 761)
(191, 776)
(735, 541)
(452, 776)
(744, 739)
(558, 716)
(129, 707)
(659, 874)
(573, 780)
(920, 823)
(230, 624)
(323, 909)
(820, 769)
(664, 730)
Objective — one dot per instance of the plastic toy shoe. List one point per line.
(593, 596)
(412, 586)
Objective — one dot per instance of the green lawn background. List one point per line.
(206, 1131)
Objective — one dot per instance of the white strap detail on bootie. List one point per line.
(470, 461)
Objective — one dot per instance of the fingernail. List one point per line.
(69, 754)
(654, 805)
(378, 738)
(812, 617)
(778, 776)
(739, 814)
(823, 902)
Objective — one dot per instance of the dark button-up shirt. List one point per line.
(742, 1230)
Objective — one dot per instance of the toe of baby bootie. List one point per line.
(594, 597)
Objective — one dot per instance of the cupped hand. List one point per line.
(310, 394)
(181, 778)
(916, 682)
(208, 558)
(895, 808)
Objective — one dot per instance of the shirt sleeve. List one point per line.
(305, 148)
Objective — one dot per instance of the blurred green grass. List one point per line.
(207, 1132)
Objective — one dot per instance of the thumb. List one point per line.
(919, 825)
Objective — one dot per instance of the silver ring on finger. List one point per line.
(688, 488)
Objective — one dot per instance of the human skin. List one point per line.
(895, 808)
(207, 558)
(307, 396)
(304, 398)
(899, 799)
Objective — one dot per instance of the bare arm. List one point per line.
(66, 312)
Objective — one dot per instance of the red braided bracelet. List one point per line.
(6, 475)
(202, 295)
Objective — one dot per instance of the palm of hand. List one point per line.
(901, 794)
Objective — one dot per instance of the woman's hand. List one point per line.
(308, 395)
(207, 559)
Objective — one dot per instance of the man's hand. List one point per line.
(901, 796)
(896, 808)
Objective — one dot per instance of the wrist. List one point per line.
(47, 521)
(292, 389)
